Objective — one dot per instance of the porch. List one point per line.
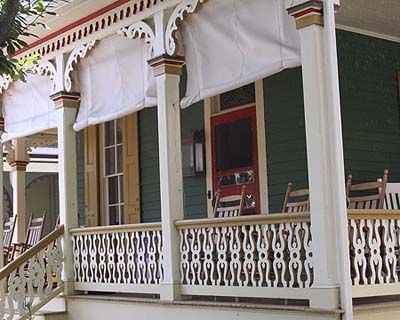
(315, 264)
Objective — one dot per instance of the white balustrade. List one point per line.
(374, 237)
(255, 256)
(33, 279)
(125, 258)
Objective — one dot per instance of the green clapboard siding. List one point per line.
(285, 134)
(370, 105)
(370, 116)
(149, 169)
(80, 165)
(195, 200)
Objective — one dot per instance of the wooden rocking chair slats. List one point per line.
(8, 233)
(292, 202)
(367, 195)
(229, 206)
(33, 235)
(392, 196)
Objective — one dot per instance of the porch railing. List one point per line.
(267, 256)
(32, 279)
(125, 258)
(374, 237)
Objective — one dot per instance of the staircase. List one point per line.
(32, 280)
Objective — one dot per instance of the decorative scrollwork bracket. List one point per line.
(186, 7)
(140, 29)
(76, 54)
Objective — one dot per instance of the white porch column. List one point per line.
(316, 26)
(66, 105)
(167, 71)
(18, 162)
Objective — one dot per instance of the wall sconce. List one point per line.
(193, 154)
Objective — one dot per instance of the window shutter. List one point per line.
(91, 177)
(131, 169)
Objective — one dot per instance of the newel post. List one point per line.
(167, 71)
(66, 105)
(316, 27)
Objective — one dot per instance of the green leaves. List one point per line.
(17, 17)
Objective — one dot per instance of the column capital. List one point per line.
(308, 12)
(166, 64)
(63, 99)
(1, 124)
(18, 165)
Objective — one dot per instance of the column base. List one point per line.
(325, 297)
(69, 288)
(170, 291)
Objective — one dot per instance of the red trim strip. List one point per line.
(74, 25)
(307, 11)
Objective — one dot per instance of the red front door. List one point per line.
(235, 157)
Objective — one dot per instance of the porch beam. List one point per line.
(316, 26)
(66, 105)
(167, 71)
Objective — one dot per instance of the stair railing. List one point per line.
(32, 279)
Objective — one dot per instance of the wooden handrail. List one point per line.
(117, 229)
(23, 258)
(356, 214)
(244, 220)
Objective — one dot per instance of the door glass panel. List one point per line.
(234, 144)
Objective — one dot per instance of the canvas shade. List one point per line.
(28, 108)
(114, 79)
(230, 43)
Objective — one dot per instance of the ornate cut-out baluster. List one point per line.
(208, 249)
(249, 255)
(235, 246)
(308, 264)
(130, 248)
(102, 259)
(85, 264)
(389, 242)
(374, 243)
(294, 246)
(358, 254)
(184, 255)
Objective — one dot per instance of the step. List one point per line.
(51, 315)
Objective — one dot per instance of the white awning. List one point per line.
(28, 108)
(113, 79)
(230, 43)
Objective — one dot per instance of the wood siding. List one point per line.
(285, 135)
(370, 105)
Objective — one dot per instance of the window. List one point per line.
(113, 172)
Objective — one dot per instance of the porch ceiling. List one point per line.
(381, 17)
